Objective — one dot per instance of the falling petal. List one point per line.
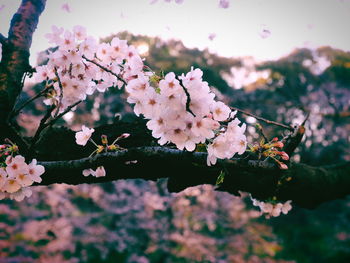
(212, 36)
(224, 4)
(66, 7)
(264, 32)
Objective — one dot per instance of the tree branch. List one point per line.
(15, 59)
(308, 187)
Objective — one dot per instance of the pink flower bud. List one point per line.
(284, 156)
(104, 139)
(282, 166)
(124, 135)
(278, 144)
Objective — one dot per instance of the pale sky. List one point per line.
(291, 23)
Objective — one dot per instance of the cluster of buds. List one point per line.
(271, 149)
(83, 136)
(113, 147)
(7, 150)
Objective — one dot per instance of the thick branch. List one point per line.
(308, 187)
(15, 59)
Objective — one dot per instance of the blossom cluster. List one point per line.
(180, 109)
(16, 175)
(273, 209)
(79, 66)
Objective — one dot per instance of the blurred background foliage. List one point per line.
(139, 221)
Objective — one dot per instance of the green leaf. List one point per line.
(220, 178)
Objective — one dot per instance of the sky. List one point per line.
(264, 29)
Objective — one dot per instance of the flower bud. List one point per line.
(15, 148)
(282, 166)
(277, 144)
(104, 139)
(124, 135)
(284, 155)
(100, 148)
(112, 147)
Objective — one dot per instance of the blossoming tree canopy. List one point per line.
(180, 109)
(189, 127)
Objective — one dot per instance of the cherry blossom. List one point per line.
(16, 175)
(16, 166)
(84, 135)
(273, 209)
(99, 172)
(35, 171)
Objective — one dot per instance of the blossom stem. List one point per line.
(288, 127)
(91, 140)
(188, 101)
(105, 69)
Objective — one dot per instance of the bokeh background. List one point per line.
(278, 59)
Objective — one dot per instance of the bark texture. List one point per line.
(15, 59)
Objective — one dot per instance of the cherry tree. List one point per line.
(184, 133)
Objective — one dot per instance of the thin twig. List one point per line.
(61, 94)
(22, 143)
(306, 118)
(188, 101)
(24, 79)
(51, 122)
(41, 127)
(44, 124)
(17, 98)
(263, 119)
(16, 112)
(106, 69)
(261, 132)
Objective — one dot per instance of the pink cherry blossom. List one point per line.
(83, 136)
